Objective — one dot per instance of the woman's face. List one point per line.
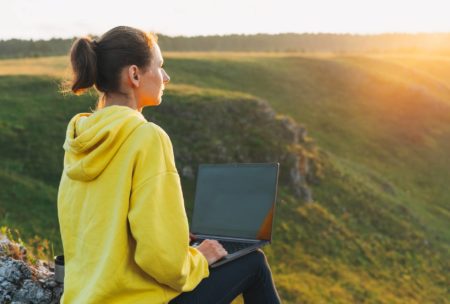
(152, 81)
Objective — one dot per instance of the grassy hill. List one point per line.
(377, 231)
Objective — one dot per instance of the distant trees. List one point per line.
(308, 42)
(289, 42)
(15, 48)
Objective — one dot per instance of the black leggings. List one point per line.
(249, 275)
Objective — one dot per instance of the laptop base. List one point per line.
(252, 246)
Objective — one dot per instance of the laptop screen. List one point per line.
(235, 200)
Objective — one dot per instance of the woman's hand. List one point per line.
(212, 250)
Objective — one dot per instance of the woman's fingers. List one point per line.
(212, 250)
(218, 247)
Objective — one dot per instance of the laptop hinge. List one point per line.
(226, 238)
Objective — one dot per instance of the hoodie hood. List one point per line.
(92, 139)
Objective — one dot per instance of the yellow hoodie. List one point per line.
(121, 213)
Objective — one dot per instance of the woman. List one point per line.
(120, 205)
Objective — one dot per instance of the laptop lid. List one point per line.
(235, 200)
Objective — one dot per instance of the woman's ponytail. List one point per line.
(84, 64)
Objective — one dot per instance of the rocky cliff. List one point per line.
(23, 279)
(209, 126)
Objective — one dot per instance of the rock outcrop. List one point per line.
(23, 281)
(240, 129)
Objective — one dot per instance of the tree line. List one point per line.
(288, 42)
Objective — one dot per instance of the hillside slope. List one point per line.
(377, 229)
(381, 117)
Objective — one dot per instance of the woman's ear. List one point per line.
(133, 75)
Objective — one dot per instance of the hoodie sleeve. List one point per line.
(158, 220)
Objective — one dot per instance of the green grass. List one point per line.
(358, 112)
(377, 231)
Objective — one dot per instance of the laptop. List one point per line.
(235, 205)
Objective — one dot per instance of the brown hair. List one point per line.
(99, 62)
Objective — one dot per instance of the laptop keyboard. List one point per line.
(232, 247)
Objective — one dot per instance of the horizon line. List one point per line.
(249, 34)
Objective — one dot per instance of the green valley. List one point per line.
(377, 144)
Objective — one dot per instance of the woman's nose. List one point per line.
(166, 77)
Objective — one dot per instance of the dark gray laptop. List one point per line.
(235, 204)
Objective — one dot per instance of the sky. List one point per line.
(45, 19)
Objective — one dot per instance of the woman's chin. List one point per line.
(153, 103)
(159, 100)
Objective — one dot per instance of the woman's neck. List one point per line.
(121, 99)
